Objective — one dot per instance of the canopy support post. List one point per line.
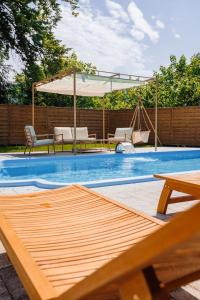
(134, 117)
(33, 104)
(103, 111)
(156, 116)
(74, 94)
(139, 119)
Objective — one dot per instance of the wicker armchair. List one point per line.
(33, 140)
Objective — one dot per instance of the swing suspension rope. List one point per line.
(139, 112)
(139, 116)
(139, 120)
(145, 121)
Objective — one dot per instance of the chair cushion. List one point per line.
(140, 137)
(44, 142)
(81, 133)
(123, 133)
(30, 133)
(65, 131)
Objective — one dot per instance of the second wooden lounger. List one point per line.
(187, 183)
(72, 244)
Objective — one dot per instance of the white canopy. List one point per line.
(82, 84)
(89, 85)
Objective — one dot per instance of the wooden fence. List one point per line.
(176, 126)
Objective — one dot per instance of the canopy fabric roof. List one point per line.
(89, 85)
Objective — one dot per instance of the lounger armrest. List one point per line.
(92, 135)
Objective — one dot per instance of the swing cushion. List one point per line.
(140, 137)
(145, 136)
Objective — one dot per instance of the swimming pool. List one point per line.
(95, 170)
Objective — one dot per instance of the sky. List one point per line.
(134, 37)
(129, 36)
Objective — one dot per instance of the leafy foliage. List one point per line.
(25, 23)
(177, 85)
(26, 27)
(3, 78)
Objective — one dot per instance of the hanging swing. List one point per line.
(141, 131)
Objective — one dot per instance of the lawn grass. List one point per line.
(20, 148)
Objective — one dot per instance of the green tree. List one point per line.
(25, 23)
(25, 27)
(3, 78)
(178, 85)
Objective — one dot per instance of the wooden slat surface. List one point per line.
(173, 251)
(67, 234)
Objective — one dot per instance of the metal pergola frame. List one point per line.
(107, 75)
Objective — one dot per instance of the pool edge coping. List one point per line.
(44, 184)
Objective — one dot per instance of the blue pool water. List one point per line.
(87, 168)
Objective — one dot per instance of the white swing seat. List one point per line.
(140, 137)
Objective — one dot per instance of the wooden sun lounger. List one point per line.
(72, 244)
(187, 183)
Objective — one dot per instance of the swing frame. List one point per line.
(141, 110)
